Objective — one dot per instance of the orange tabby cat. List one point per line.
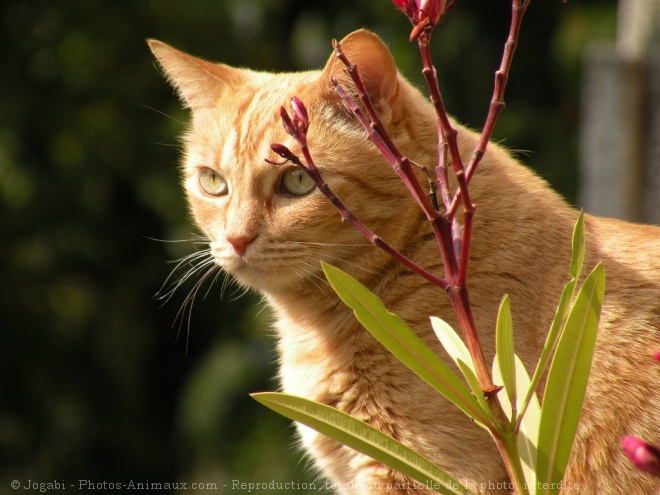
(270, 227)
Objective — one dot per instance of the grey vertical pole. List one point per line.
(620, 126)
(651, 210)
(611, 138)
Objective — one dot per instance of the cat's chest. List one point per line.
(349, 373)
(310, 364)
(333, 361)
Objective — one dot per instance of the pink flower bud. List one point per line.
(643, 456)
(300, 116)
(408, 7)
(657, 356)
(281, 150)
(433, 10)
(420, 10)
(287, 123)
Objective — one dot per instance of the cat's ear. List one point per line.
(199, 83)
(375, 66)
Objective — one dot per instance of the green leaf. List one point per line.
(473, 383)
(505, 351)
(363, 438)
(528, 429)
(567, 384)
(527, 422)
(458, 351)
(403, 342)
(577, 260)
(553, 336)
(452, 343)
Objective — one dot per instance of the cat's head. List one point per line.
(269, 225)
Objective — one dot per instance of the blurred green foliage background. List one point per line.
(96, 382)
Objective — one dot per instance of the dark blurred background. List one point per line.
(97, 380)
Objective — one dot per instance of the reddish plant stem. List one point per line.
(348, 216)
(497, 104)
(450, 138)
(377, 134)
(460, 301)
(454, 239)
(456, 275)
(449, 134)
(463, 175)
(455, 264)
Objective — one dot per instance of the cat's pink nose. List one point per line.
(240, 243)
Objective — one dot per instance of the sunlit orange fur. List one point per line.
(521, 247)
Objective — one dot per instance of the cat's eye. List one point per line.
(212, 183)
(296, 182)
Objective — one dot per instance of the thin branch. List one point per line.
(348, 216)
(459, 238)
(402, 165)
(497, 104)
(449, 134)
(378, 135)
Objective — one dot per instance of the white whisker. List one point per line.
(200, 267)
(196, 261)
(226, 282)
(263, 306)
(314, 272)
(312, 276)
(239, 292)
(195, 240)
(160, 112)
(198, 264)
(189, 300)
(338, 259)
(215, 279)
(330, 244)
